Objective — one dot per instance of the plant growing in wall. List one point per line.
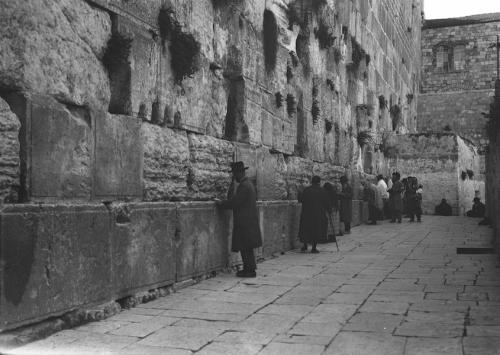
(315, 111)
(364, 138)
(270, 38)
(382, 102)
(337, 55)
(324, 35)
(184, 49)
(289, 73)
(330, 84)
(328, 126)
(395, 112)
(470, 174)
(291, 105)
(302, 45)
(463, 175)
(358, 54)
(279, 99)
(117, 51)
(318, 4)
(409, 98)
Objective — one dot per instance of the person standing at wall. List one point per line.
(371, 195)
(412, 199)
(313, 222)
(395, 201)
(246, 229)
(333, 205)
(384, 195)
(346, 204)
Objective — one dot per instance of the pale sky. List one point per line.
(458, 8)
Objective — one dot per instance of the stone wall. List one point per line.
(437, 161)
(493, 168)
(456, 93)
(148, 101)
(286, 79)
(470, 180)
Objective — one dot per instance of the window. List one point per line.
(442, 58)
(459, 57)
(450, 58)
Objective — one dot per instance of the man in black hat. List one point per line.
(313, 222)
(246, 229)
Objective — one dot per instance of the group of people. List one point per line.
(318, 203)
(478, 208)
(390, 198)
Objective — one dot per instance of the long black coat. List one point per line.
(246, 229)
(346, 204)
(313, 222)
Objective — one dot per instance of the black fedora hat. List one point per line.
(237, 166)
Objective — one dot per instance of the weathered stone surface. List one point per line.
(271, 171)
(55, 48)
(10, 159)
(54, 259)
(279, 230)
(181, 337)
(166, 163)
(143, 248)
(118, 156)
(210, 160)
(358, 342)
(416, 346)
(298, 175)
(202, 246)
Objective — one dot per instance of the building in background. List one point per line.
(458, 75)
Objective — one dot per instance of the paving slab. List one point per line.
(433, 346)
(349, 343)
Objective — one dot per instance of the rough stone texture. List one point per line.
(118, 156)
(166, 163)
(493, 170)
(201, 247)
(462, 90)
(10, 159)
(54, 48)
(437, 161)
(142, 246)
(58, 258)
(471, 186)
(210, 160)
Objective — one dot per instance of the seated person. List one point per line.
(478, 208)
(443, 209)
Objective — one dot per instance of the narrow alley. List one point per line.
(391, 289)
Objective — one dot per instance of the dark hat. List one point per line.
(343, 178)
(237, 166)
(316, 179)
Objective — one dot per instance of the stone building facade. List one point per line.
(458, 75)
(444, 163)
(119, 120)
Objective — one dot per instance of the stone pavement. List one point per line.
(392, 289)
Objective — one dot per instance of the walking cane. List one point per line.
(333, 230)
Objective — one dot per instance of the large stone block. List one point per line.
(142, 247)
(60, 152)
(201, 247)
(166, 163)
(271, 173)
(53, 259)
(145, 10)
(210, 160)
(118, 156)
(144, 75)
(55, 48)
(279, 232)
(298, 175)
(10, 157)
